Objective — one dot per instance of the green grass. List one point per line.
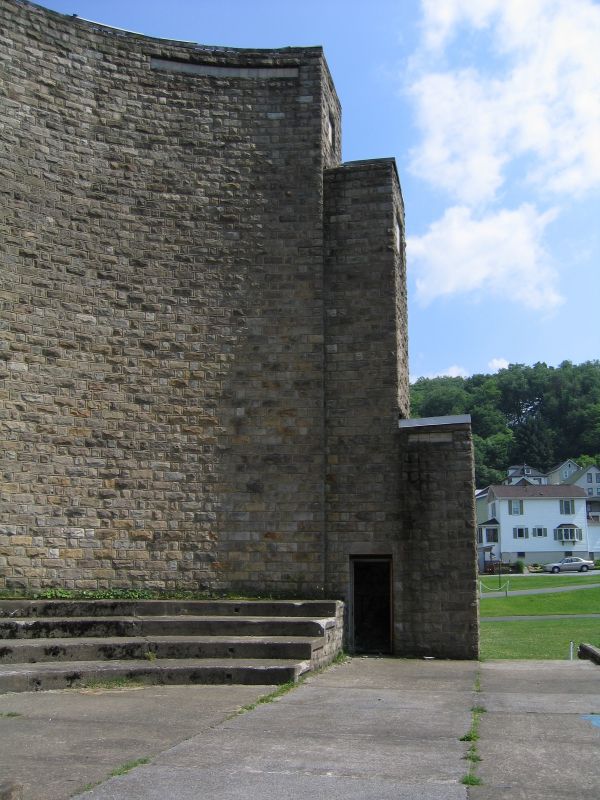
(472, 736)
(128, 766)
(586, 601)
(518, 582)
(282, 689)
(543, 639)
(9, 714)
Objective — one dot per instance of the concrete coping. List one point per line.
(430, 422)
(590, 652)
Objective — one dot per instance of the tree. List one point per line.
(540, 415)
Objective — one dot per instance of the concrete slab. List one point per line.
(535, 742)
(62, 740)
(371, 729)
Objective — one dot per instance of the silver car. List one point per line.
(573, 564)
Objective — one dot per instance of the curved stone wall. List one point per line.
(203, 340)
(161, 282)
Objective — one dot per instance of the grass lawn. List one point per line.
(516, 582)
(586, 601)
(537, 639)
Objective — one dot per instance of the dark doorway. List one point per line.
(372, 604)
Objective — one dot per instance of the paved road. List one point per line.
(369, 729)
(518, 618)
(555, 590)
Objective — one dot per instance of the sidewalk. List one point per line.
(372, 729)
(536, 743)
(549, 590)
(369, 729)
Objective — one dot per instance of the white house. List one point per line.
(537, 524)
(588, 479)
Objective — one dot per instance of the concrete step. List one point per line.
(185, 625)
(148, 608)
(54, 644)
(103, 675)
(23, 651)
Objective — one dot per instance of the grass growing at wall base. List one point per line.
(543, 639)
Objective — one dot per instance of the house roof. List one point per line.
(580, 473)
(556, 490)
(561, 464)
(490, 522)
(519, 469)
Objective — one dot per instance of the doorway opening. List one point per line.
(371, 604)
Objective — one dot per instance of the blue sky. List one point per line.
(492, 111)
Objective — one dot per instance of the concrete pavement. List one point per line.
(547, 590)
(536, 742)
(368, 729)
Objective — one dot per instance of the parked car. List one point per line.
(574, 564)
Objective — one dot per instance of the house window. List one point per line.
(491, 535)
(520, 533)
(598, 477)
(591, 492)
(521, 555)
(589, 477)
(479, 536)
(515, 507)
(598, 492)
(568, 534)
(539, 532)
(567, 506)
(493, 510)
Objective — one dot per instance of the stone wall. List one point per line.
(203, 335)
(365, 361)
(162, 281)
(437, 553)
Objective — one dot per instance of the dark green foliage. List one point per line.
(539, 415)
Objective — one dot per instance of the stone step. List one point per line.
(185, 625)
(39, 677)
(23, 651)
(148, 608)
(54, 644)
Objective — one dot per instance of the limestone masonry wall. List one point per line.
(440, 609)
(366, 371)
(162, 231)
(203, 332)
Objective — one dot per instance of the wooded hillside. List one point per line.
(539, 415)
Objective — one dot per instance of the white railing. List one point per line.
(503, 586)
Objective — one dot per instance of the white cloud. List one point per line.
(541, 104)
(497, 364)
(499, 254)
